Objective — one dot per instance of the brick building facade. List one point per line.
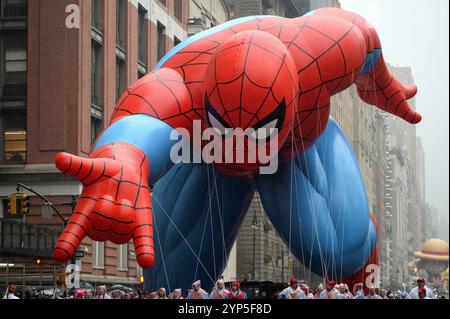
(64, 64)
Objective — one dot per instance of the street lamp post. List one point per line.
(72, 203)
(254, 227)
(64, 220)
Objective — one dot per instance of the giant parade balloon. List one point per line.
(241, 108)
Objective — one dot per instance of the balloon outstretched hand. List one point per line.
(115, 203)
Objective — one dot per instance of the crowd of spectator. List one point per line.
(295, 290)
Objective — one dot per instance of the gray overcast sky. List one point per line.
(415, 33)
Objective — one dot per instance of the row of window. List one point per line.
(13, 83)
(143, 46)
(13, 70)
(13, 8)
(177, 6)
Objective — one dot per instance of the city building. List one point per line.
(405, 194)
(282, 8)
(424, 212)
(440, 223)
(205, 14)
(397, 200)
(420, 169)
(64, 64)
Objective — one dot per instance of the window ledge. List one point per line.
(98, 267)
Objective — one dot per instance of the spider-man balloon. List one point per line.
(273, 76)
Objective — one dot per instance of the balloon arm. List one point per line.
(380, 88)
(147, 115)
(376, 85)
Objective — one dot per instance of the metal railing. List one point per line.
(20, 238)
(14, 91)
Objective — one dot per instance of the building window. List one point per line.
(163, 2)
(98, 254)
(96, 97)
(15, 147)
(121, 14)
(96, 127)
(13, 126)
(143, 37)
(178, 9)
(161, 41)
(141, 74)
(97, 14)
(122, 256)
(14, 8)
(120, 80)
(14, 64)
(176, 41)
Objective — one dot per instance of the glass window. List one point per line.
(141, 74)
(14, 8)
(96, 14)
(98, 253)
(121, 14)
(96, 74)
(96, 128)
(14, 64)
(143, 42)
(178, 10)
(13, 126)
(122, 255)
(163, 2)
(15, 146)
(161, 41)
(120, 81)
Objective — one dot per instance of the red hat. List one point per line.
(331, 283)
(293, 281)
(421, 279)
(236, 283)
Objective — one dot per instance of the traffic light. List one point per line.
(141, 279)
(12, 204)
(25, 204)
(18, 204)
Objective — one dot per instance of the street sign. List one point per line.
(79, 254)
(46, 211)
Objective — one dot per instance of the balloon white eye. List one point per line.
(265, 132)
(217, 125)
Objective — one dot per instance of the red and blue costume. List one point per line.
(256, 72)
(236, 293)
